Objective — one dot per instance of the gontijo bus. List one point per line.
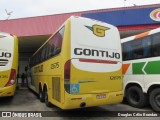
(80, 65)
(8, 64)
(141, 69)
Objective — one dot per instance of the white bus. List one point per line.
(8, 64)
(141, 69)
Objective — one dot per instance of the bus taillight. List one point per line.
(12, 78)
(67, 76)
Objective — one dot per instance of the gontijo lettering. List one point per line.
(5, 54)
(98, 53)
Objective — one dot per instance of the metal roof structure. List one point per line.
(32, 32)
(45, 25)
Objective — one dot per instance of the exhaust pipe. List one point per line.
(83, 104)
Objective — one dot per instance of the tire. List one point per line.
(154, 99)
(135, 97)
(41, 96)
(48, 104)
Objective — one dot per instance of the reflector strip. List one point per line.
(119, 94)
(9, 92)
(98, 61)
(76, 98)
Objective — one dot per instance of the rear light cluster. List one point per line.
(12, 78)
(67, 76)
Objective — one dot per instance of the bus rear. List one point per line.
(8, 64)
(93, 74)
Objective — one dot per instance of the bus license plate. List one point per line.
(101, 96)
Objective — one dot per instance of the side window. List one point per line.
(146, 45)
(43, 51)
(127, 51)
(156, 45)
(50, 49)
(58, 43)
(54, 44)
(137, 49)
(132, 50)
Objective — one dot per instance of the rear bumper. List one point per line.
(88, 100)
(7, 91)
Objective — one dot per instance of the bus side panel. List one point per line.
(49, 76)
(50, 73)
(142, 71)
(16, 56)
(15, 60)
(58, 78)
(131, 74)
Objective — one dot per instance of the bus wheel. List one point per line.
(41, 95)
(48, 104)
(136, 97)
(154, 99)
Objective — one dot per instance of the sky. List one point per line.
(32, 8)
